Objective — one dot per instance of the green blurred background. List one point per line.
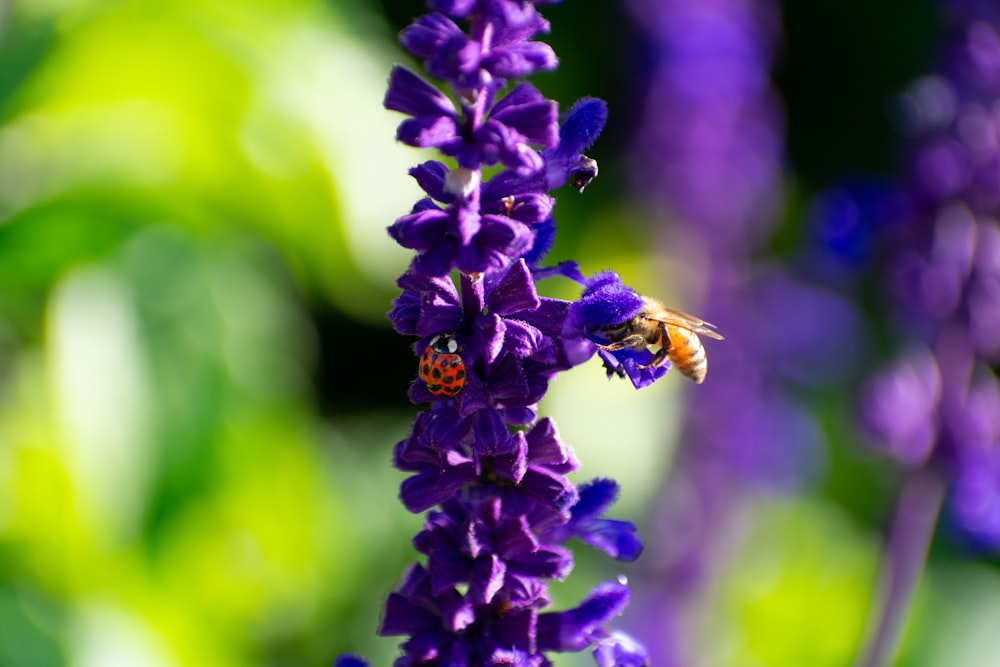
(199, 391)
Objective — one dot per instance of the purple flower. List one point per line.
(494, 52)
(900, 405)
(505, 133)
(579, 628)
(937, 407)
(490, 474)
(511, 342)
(616, 538)
(708, 158)
(975, 498)
(606, 304)
(458, 237)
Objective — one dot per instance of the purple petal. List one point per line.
(506, 236)
(456, 612)
(446, 569)
(447, 431)
(425, 490)
(518, 416)
(430, 177)
(549, 316)
(429, 132)
(596, 497)
(507, 381)
(581, 125)
(521, 339)
(401, 617)
(431, 35)
(487, 579)
(413, 96)
(633, 364)
(513, 465)
(515, 537)
(618, 539)
(490, 333)
(455, 8)
(517, 21)
(491, 433)
(548, 487)
(474, 397)
(517, 629)
(520, 60)
(439, 259)
(545, 447)
(604, 303)
(509, 182)
(576, 629)
(526, 110)
(420, 230)
(548, 563)
(465, 223)
(514, 293)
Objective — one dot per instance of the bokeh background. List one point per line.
(199, 391)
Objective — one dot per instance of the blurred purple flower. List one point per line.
(900, 406)
(710, 160)
(938, 407)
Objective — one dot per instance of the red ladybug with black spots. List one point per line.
(441, 367)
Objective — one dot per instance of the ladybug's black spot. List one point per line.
(425, 370)
(460, 374)
(436, 373)
(447, 379)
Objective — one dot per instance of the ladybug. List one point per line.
(441, 367)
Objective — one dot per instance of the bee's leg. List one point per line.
(658, 358)
(661, 354)
(633, 342)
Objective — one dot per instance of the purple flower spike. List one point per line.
(937, 408)
(490, 475)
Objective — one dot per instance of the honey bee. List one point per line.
(668, 334)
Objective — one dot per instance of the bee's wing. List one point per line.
(679, 318)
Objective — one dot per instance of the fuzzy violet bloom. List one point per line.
(936, 407)
(490, 473)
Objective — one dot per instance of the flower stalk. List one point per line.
(906, 552)
(488, 471)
